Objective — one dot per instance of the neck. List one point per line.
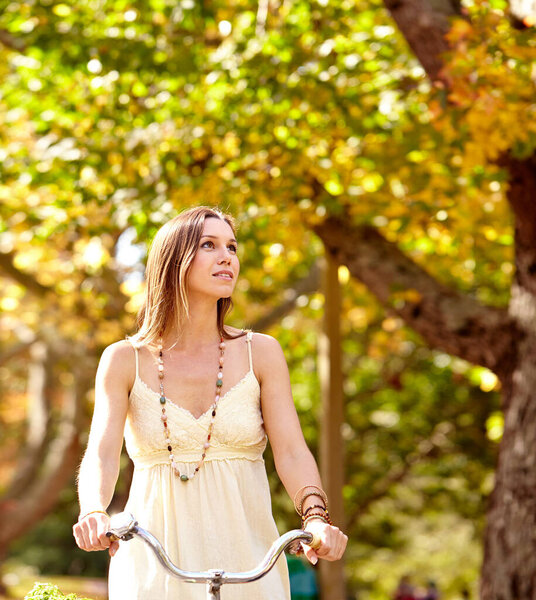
(200, 329)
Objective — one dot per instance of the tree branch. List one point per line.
(447, 320)
(19, 515)
(426, 448)
(7, 265)
(16, 350)
(10, 41)
(108, 282)
(38, 419)
(424, 24)
(520, 194)
(310, 283)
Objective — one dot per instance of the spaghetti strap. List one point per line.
(249, 335)
(137, 357)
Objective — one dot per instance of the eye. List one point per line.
(232, 248)
(204, 244)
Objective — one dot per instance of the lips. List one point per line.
(228, 275)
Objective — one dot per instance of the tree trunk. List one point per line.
(504, 341)
(332, 580)
(509, 570)
(19, 515)
(424, 24)
(40, 375)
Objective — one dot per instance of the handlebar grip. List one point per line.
(315, 542)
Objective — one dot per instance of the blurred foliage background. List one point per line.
(117, 114)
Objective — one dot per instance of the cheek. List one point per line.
(200, 261)
(196, 268)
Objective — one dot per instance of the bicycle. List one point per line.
(124, 526)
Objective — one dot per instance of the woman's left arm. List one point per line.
(294, 461)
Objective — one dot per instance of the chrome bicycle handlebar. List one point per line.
(124, 526)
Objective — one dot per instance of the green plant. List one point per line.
(47, 591)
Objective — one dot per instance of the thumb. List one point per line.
(311, 555)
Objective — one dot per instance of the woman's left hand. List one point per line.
(332, 542)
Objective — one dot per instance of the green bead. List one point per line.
(219, 383)
(162, 399)
(184, 477)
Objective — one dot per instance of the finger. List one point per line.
(336, 543)
(114, 547)
(94, 540)
(324, 549)
(97, 534)
(310, 554)
(77, 537)
(341, 546)
(84, 537)
(87, 538)
(90, 536)
(335, 546)
(104, 540)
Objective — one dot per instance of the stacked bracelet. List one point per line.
(309, 490)
(316, 512)
(317, 517)
(312, 507)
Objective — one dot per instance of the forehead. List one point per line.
(217, 227)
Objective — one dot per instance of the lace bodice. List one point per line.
(238, 428)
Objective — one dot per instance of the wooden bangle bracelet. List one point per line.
(319, 492)
(308, 495)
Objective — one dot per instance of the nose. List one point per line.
(225, 256)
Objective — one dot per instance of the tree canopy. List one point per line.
(115, 115)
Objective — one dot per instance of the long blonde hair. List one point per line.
(170, 257)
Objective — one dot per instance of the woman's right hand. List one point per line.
(90, 533)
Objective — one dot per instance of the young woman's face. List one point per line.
(215, 266)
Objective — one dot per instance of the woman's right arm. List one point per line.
(100, 466)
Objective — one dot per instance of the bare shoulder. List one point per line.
(119, 354)
(118, 361)
(271, 369)
(265, 342)
(267, 351)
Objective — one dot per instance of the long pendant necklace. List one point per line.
(163, 400)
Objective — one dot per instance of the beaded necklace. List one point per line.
(219, 382)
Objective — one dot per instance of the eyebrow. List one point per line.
(216, 237)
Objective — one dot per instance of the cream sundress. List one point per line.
(221, 519)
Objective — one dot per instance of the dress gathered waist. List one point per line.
(144, 461)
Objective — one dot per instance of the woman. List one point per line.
(195, 400)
